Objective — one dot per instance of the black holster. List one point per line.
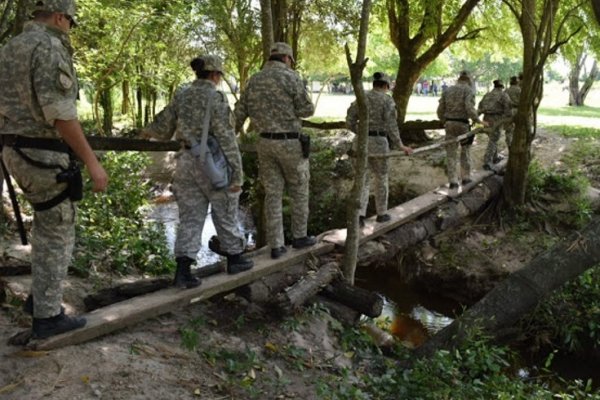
(468, 141)
(305, 144)
(72, 177)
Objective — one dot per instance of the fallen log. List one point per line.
(15, 270)
(519, 294)
(342, 313)
(295, 296)
(431, 223)
(126, 291)
(362, 300)
(263, 291)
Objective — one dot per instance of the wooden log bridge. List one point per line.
(137, 309)
(129, 312)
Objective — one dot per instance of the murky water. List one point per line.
(415, 316)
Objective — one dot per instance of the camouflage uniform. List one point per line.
(275, 99)
(193, 190)
(514, 93)
(456, 106)
(496, 106)
(39, 86)
(382, 120)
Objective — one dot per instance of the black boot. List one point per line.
(183, 274)
(46, 327)
(28, 306)
(237, 263)
(303, 242)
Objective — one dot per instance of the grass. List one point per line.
(575, 132)
(583, 111)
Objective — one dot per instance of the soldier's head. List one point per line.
(381, 80)
(498, 84)
(208, 67)
(60, 13)
(282, 52)
(514, 80)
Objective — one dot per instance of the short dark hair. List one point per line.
(380, 84)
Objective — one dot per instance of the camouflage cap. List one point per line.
(60, 6)
(282, 48)
(381, 77)
(212, 63)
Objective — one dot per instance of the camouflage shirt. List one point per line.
(38, 82)
(495, 102)
(457, 102)
(382, 116)
(274, 99)
(514, 93)
(184, 117)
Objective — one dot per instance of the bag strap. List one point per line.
(206, 126)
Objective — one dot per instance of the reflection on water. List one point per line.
(168, 215)
(414, 315)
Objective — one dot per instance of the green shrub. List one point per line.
(112, 233)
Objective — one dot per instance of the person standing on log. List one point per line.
(496, 108)
(456, 107)
(514, 93)
(40, 135)
(275, 99)
(184, 117)
(383, 128)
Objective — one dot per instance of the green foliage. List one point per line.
(112, 232)
(579, 132)
(569, 320)
(475, 370)
(558, 195)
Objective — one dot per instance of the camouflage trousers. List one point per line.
(509, 128)
(453, 130)
(53, 231)
(280, 165)
(378, 173)
(193, 192)
(491, 152)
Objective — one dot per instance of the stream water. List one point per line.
(415, 314)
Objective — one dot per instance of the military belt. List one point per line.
(378, 133)
(463, 120)
(280, 135)
(19, 141)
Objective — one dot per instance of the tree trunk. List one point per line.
(362, 300)
(126, 102)
(430, 37)
(522, 291)
(353, 207)
(264, 290)
(140, 107)
(342, 313)
(293, 298)
(266, 29)
(107, 111)
(589, 81)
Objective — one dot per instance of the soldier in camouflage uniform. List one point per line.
(514, 93)
(275, 99)
(496, 108)
(456, 107)
(383, 127)
(193, 190)
(39, 130)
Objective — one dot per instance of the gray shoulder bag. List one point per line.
(210, 156)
